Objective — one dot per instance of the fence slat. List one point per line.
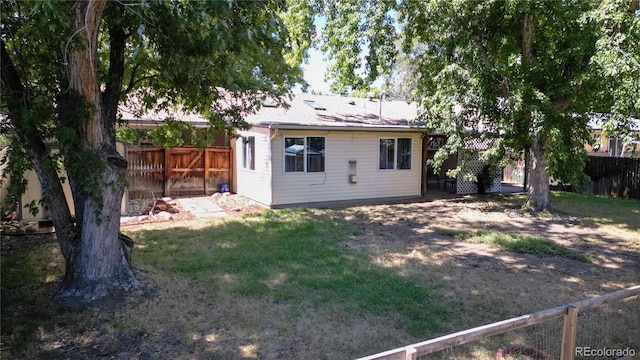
(611, 176)
(190, 169)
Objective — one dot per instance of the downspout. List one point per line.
(274, 133)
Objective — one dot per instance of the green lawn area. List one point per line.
(293, 256)
(620, 213)
(517, 243)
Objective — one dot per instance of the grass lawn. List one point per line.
(334, 283)
(623, 214)
(294, 257)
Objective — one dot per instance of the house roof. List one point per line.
(596, 122)
(340, 113)
(153, 119)
(305, 111)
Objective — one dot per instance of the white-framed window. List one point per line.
(249, 152)
(304, 154)
(394, 153)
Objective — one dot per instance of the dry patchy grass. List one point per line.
(220, 313)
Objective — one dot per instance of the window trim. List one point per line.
(305, 155)
(395, 153)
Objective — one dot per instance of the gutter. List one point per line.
(376, 128)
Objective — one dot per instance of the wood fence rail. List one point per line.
(568, 311)
(178, 170)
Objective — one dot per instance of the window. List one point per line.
(249, 152)
(395, 154)
(304, 154)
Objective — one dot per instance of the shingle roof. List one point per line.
(337, 111)
(304, 110)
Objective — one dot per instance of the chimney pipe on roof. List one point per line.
(383, 95)
(370, 96)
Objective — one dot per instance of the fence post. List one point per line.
(206, 170)
(569, 333)
(167, 172)
(410, 353)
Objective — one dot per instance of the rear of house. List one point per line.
(346, 149)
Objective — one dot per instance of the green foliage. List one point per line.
(130, 135)
(12, 177)
(295, 257)
(215, 58)
(475, 83)
(170, 133)
(475, 80)
(354, 27)
(486, 176)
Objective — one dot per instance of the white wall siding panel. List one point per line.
(255, 184)
(333, 185)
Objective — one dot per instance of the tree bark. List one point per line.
(538, 195)
(98, 265)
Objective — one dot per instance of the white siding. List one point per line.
(254, 184)
(333, 184)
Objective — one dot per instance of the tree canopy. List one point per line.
(67, 66)
(521, 75)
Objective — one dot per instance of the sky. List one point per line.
(316, 66)
(314, 72)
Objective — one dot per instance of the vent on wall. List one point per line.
(353, 178)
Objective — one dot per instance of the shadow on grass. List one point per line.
(28, 270)
(294, 256)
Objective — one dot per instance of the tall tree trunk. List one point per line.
(98, 264)
(538, 195)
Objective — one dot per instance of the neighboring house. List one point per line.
(154, 119)
(33, 193)
(609, 146)
(326, 149)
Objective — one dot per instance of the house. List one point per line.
(320, 149)
(325, 149)
(603, 144)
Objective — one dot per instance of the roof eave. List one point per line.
(350, 127)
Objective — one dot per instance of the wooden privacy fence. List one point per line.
(177, 170)
(611, 176)
(569, 312)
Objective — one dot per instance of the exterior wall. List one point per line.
(333, 185)
(254, 184)
(606, 146)
(34, 193)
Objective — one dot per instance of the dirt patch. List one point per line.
(482, 283)
(143, 211)
(408, 237)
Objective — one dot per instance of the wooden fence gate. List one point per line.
(177, 170)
